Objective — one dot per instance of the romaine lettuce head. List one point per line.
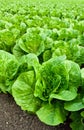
(31, 42)
(6, 40)
(8, 69)
(71, 49)
(59, 78)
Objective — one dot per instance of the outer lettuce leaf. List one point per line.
(3, 46)
(48, 43)
(78, 103)
(8, 69)
(28, 62)
(18, 52)
(23, 92)
(31, 61)
(74, 74)
(47, 55)
(77, 121)
(23, 87)
(52, 114)
(82, 114)
(66, 95)
(75, 105)
(82, 77)
(80, 58)
(81, 39)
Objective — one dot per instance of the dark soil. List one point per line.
(13, 118)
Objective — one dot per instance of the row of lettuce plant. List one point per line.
(42, 60)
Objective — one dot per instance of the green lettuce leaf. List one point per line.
(66, 95)
(77, 121)
(29, 62)
(82, 77)
(23, 92)
(52, 114)
(75, 105)
(17, 51)
(47, 55)
(80, 58)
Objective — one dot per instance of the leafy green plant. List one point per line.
(42, 58)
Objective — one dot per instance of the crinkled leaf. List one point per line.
(51, 114)
(31, 61)
(75, 105)
(23, 92)
(80, 58)
(18, 52)
(66, 95)
(74, 73)
(47, 55)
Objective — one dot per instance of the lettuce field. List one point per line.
(42, 58)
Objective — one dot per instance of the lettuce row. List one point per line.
(50, 90)
(42, 60)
